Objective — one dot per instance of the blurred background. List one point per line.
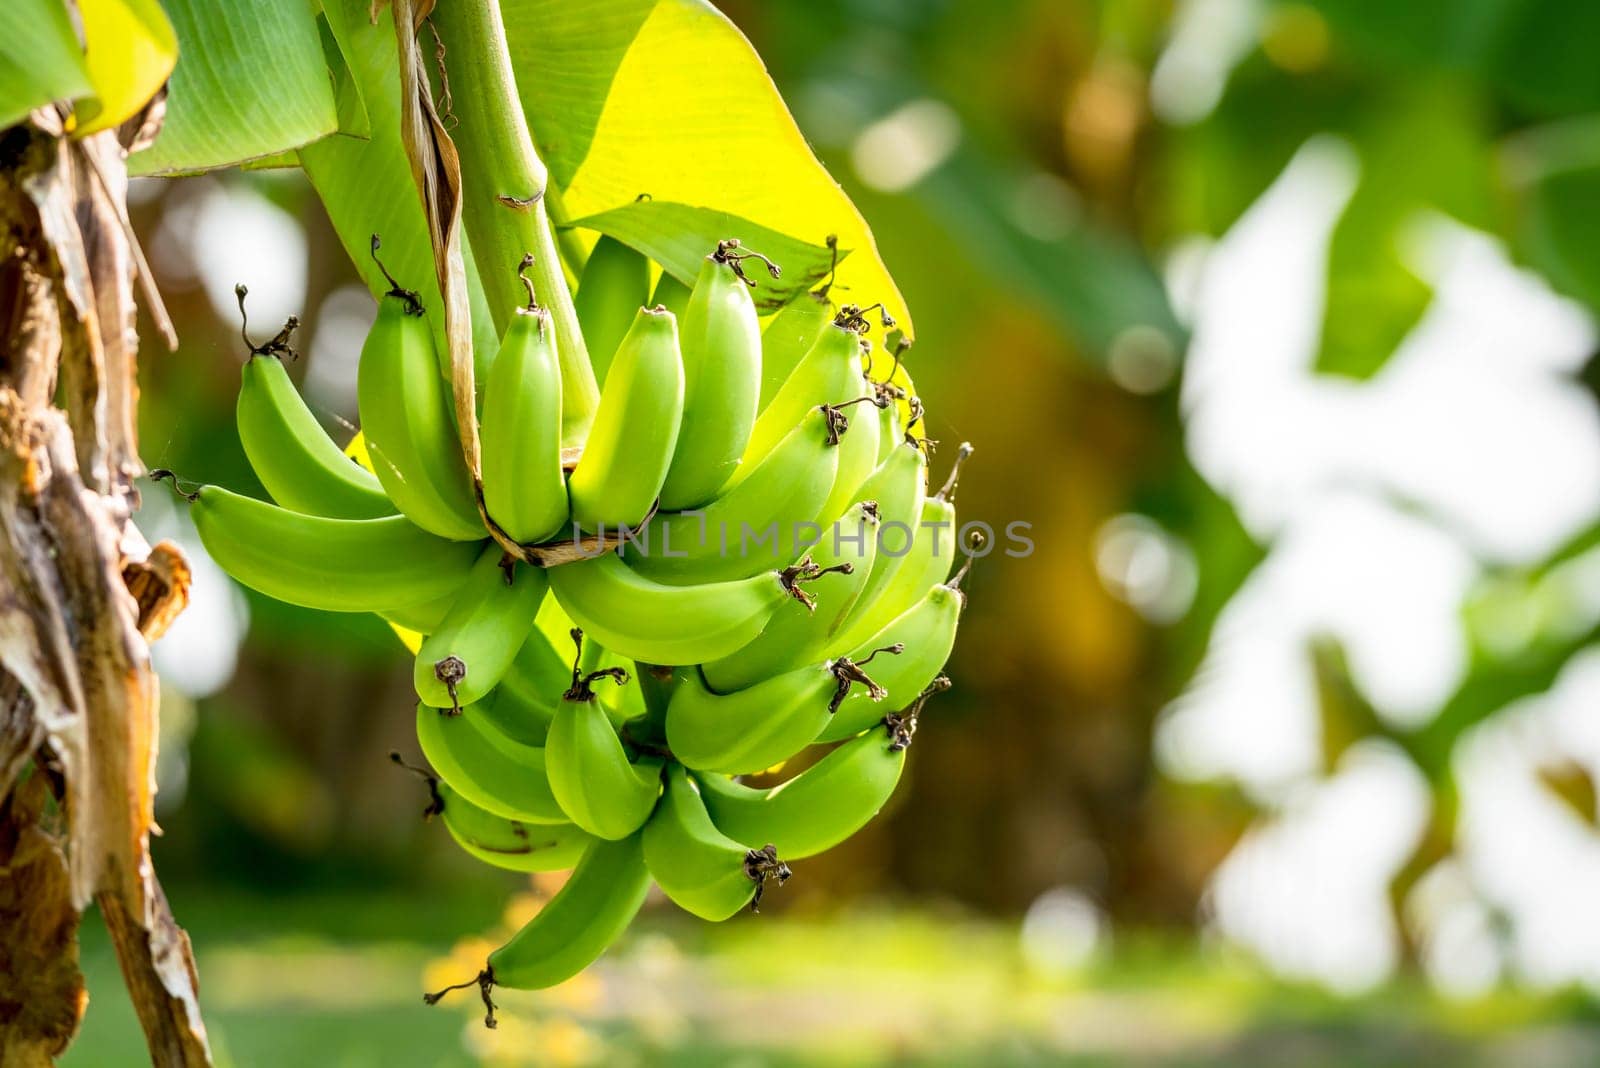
(1277, 322)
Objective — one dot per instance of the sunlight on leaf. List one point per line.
(626, 97)
(130, 51)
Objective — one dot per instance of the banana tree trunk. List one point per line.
(81, 596)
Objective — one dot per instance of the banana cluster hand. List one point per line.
(742, 562)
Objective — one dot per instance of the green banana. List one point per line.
(829, 373)
(423, 618)
(762, 725)
(525, 701)
(293, 456)
(587, 914)
(899, 486)
(615, 282)
(701, 869)
(858, 449)
(826, 803)
(720, 336)
(524, 488)
(926, 632)
(927, 561)
(757, 524)
(338, 565)
(408, 422)
(491, 770)
(637, 618)
(464, 658)
(590, 774)
(791, 639)
(788, 337)
(635, 429)
(509, 844)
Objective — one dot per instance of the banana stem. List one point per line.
(504, 183)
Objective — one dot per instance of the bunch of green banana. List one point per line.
(744, 551)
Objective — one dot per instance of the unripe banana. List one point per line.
(927, 562)
(525, 701)
(635, 429)
(720, 336)
(788, 337)
(659, 624)
(524, 488)
(338, 565)
(927, 632)
(293, 456)
(615, 282)
(701, 869)
(408, 423)
(899, 487)
(423, 618)
(827, 374)
(791, 639)
(858, 450)
(575, 927)
(590, 774)
(765, 724)
(757, 524)
(491, 770)
(465, 657)
(509, 844)
(824, 804)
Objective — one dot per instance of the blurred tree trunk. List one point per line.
(81, 595)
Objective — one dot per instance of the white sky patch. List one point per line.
(1307, 890)
(238, 235)
(1459, 945)
(1209, 39)
(199, 652)
(1530, 855)
(906, 145)
(343, 320)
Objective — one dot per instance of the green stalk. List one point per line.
(503, 186)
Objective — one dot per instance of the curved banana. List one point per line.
(790, 639)
(644, 620)
(829, 373)
(524, 703)
(467, 654)
(926, 632)
(858, 449)
(756, 525)
(509, 844)
(293, 456)
(575, 927)
(424, 618)
(701, 869)
(720, 336)
(524, 488)
(826, 803)
(590, 774)
(788, 337)
(927, 561)
(615, 282)
(635, 429)
(492, 771)
(338, 565)
(899, 486)
(408, 423)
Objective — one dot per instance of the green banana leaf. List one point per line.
(673, 236)
(666, 97)
(40, 60)
(253, 82)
